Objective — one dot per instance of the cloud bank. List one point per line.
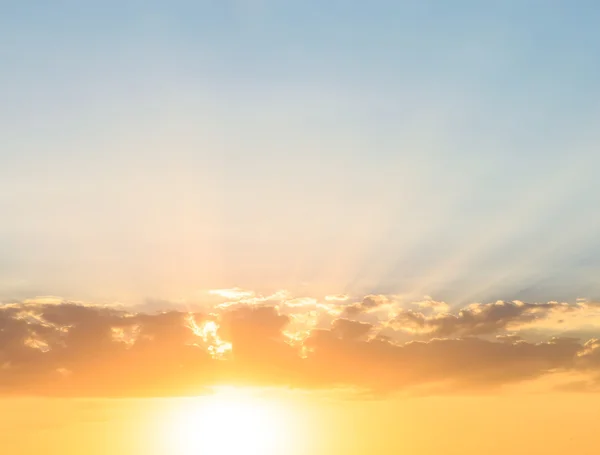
(53, 347)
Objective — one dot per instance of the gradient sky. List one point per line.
(154, 149)
(372, 226)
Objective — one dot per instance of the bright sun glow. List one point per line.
(228, 423)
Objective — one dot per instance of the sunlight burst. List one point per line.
(227, 423)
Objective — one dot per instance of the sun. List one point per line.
(230, 422)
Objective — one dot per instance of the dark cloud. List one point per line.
(83, 350)
(478, 319)
(509, 338)
(589, 356)
(348, 329)
(368, 303)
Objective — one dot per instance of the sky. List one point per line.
(152, 150)
(374, 215)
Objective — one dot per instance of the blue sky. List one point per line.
(154, 149)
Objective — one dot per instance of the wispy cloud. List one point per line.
(337, 298)
(232, 293)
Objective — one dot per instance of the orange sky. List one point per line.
(551, 424)
(280, 373)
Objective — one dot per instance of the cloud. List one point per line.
(67, 348)
(589, 355)
(302, 302)
(479, 319)
(347, 329)
(429, 303)
(232, 293)
(241, 297)
(509, 338)
(337, 298)
(369, 303)
(46, 299)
